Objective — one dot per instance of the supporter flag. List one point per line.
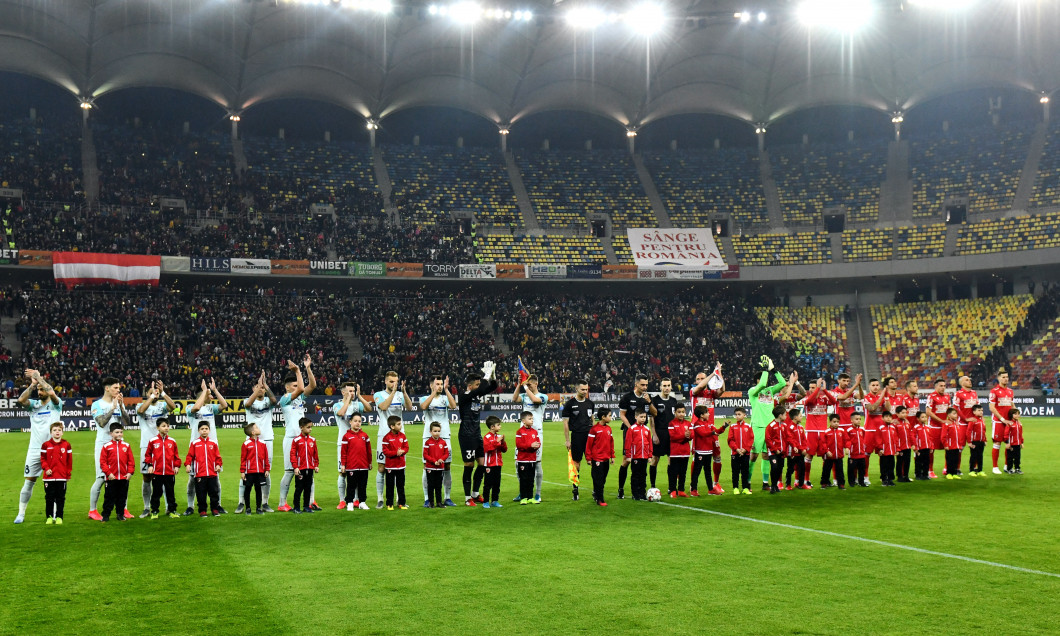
(523, 373)
(84, 268)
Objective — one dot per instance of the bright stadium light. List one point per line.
(742, 16)
(465, 12)
(586, 17)
(840, 15)
(762, 15)
(943, 5)
(647, 18)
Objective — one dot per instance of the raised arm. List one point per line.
(299, 388)
(758, 388)
(308, 361)
(518, 390)
(201, 400)
(405, 394)
(23, 399)
(165, 396)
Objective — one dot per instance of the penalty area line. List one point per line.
(887, 544)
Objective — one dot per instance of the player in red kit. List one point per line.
(703, 395)
(875, 403)
(704, 445)
(963, 400)
(1000, 407)
(816, 403)
(937, 405)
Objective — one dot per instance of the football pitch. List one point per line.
(940, 557)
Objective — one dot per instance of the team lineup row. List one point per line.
(887, 431)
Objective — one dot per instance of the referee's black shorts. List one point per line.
(577, 445)
(662, 448)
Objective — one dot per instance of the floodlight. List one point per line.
(433, 9)
(840, 15)
(586, 17)
(943, 5)
(465, 12)
(1044, 99)
(762, 16)
(647, 18)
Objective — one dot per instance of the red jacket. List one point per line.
(741, 437)
(116, 458)
(495, 449)
(834, 441)
(976, 430)
(163, 455)
(921, 436)
(58, 458)
(304, 454)
(205, 456)
(680, 446)
(775, 438)
(392, 444)
(254, 457)
(638, 442)
(951, 436)
(355, 452)
(524, 438)
(796, 440)
(856, 442)
(705, 436)
(435, 450)
(1014, 434)
(905, 434)
(887, 440)
(600, 447)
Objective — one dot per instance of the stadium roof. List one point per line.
(239, 53)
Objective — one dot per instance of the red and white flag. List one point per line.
(85, 268)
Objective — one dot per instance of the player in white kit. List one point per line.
(107, 410)
(351, 402)
(44, 410)
(156, 405)
(197, 414)
(535, 402)
(258, 409)
(292, 405)
(435, 409)
(389, 401)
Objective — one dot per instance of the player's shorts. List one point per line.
(268, 447)
(870, 440)
(814, 442)
(662, 449)
(471, 448)
(448, 446)
(1000, 432)
(962, 434)
(33, 467)
(541, 436)
(287, 442)
(577, 445)
(935, 435)
(760, 441)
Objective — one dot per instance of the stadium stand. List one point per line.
(811, 178)
(1027, 232)
(1041, 359)
(818, 336)
(565, 186)
(547, 248)
(693, 184)
(924, 241)
(44, 161)
(868, 245)
(620, 245)
(800, 248)
(1047, 181)
(943, 339)
(984, 164)
(434, 181)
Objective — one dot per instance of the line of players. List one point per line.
(818, 403)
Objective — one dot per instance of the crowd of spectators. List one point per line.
(43, 159)
(1044, 310)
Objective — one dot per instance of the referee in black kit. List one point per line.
(577, 417)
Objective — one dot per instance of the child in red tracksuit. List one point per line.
(395, 446)
(117, 463)
(254, 465)
(887, 448)
(857, 453)
(951, 441)
(162, 460)
(527, 441)
(976, 442)
(435, 454)
(204, 462)
(680, 431)
(1014, 439)
(923, 445)
(905, 443)
(638, 449)
(741, 442)
(834, 444)
(494, 446)
(776, 446)
(704, 439)
(306, 463)
(797, 441)
(355, 461)
(600, 452)
(56, 464)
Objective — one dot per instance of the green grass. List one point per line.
(559, 567)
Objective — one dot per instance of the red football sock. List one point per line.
(931, 464)
(1007, 464)
(717, 473)
(995, 453)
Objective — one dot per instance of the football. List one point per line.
(654, 494)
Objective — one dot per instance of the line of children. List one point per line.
(600, 451)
